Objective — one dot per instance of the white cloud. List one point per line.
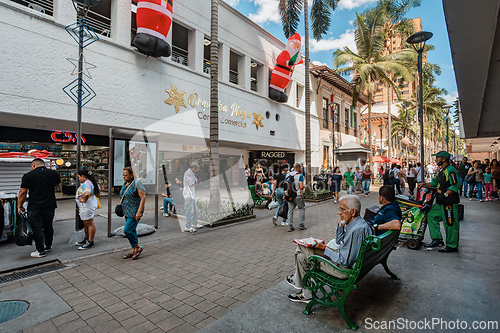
(267, 12)
(351, 4)
(331, 44)
(232, 2)
(318, 63)
(450, 98)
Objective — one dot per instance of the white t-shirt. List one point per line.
(395, 172)
(189, 181)
(410, 173)
(419, 174)
(430, 168)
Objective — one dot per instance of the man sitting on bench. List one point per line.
(351, 231)
(389, 216)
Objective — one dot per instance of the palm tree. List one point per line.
(370, 65)
(214, 107)
(406, 125)
(396, 26)
(290, 17)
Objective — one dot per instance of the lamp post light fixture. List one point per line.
(417, 40)
(447, 107)
(380, 126)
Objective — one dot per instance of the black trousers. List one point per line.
(43, 232)
(411, 184)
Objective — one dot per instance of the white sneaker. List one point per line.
(189, 230)
(166, 214)
(284, 224)
(199, 226)
(37, 254)
(161, 208)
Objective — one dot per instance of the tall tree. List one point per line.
(371, 64)
(214, 107)
(396, 25)
(320, 15)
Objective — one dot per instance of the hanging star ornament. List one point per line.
(85, 68)
(176, 98)
(257, 120)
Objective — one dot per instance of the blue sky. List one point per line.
(341, 33)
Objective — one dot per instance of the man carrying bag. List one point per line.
(40, 184)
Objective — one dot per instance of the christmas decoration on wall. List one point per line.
(283, 70)
(154, 19)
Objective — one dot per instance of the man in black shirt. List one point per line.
(40, 183)
(278, 191)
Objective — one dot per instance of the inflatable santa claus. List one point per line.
(285, 64)
(154, 18)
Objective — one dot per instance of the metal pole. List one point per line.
(81, 14)
(333, 140)
(447, 130)
(111, 161)
(420, 109)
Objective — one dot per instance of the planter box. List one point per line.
(319, 197)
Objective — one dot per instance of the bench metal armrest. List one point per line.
(317, 259)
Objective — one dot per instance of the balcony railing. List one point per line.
(179, 55)
(233, 76)
(206, 66)
(99, 23)
(42, 6)
(253, 84)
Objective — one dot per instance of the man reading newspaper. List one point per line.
(343, 251)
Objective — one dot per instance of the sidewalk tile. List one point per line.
(217, 312)
(72, 326)
(148, 309)
(92, 312)
(65, 318)
(134, 321)
(170, 323)
(159, 316)
(183, 310)
(195, 317)
(171, 304)
(205, 322)
(205, 306)
(125, 314)
(98, 320)
(112, 309)
(184, 328)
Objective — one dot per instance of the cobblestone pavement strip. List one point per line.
(180, 284)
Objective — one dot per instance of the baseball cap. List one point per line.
(443, 153)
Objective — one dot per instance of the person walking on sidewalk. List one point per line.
(495, 171)
(335, 180)
(279, 192)
(298, 201)
(478, 173)
(86, 200)
(348, 180)
(133, 195)
(488, 184)
(446, 207)
(463, 169)
(367, 178)
(189, 182)
(40, 184)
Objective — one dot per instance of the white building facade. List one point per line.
(169, 96)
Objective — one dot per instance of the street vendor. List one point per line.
(446, 207)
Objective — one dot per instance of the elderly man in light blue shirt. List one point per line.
(343, 252)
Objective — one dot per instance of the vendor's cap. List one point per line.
(443, 153)
(357, 167)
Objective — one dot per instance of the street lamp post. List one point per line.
(447, 107)
(381, 138)
(419, 39)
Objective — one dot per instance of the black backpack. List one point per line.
(289, 188)
(391, 175)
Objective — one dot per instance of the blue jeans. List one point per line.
(366, 185)
(279, 196)
(349, 189)
(130, 231)
(465, 186)
(168, 204)
(396, 183)
(191, 215)
(479, 186)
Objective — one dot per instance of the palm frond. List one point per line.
(290, 15)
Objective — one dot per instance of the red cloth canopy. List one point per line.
(379, 159)
(35, 154)
(395, 160)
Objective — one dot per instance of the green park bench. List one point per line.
(330, 291)
(257, 201)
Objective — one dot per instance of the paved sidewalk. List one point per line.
(216, 277)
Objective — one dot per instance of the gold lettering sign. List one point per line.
(177, 99)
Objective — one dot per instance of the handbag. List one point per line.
(23, 235)
(119, 207)
(470, 179)
(98, 202)
(283, 211)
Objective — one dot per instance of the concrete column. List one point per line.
(195, 59)
(64, 12)
(224, 51)
(244, 74)
(262, 80)
(121, 19)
